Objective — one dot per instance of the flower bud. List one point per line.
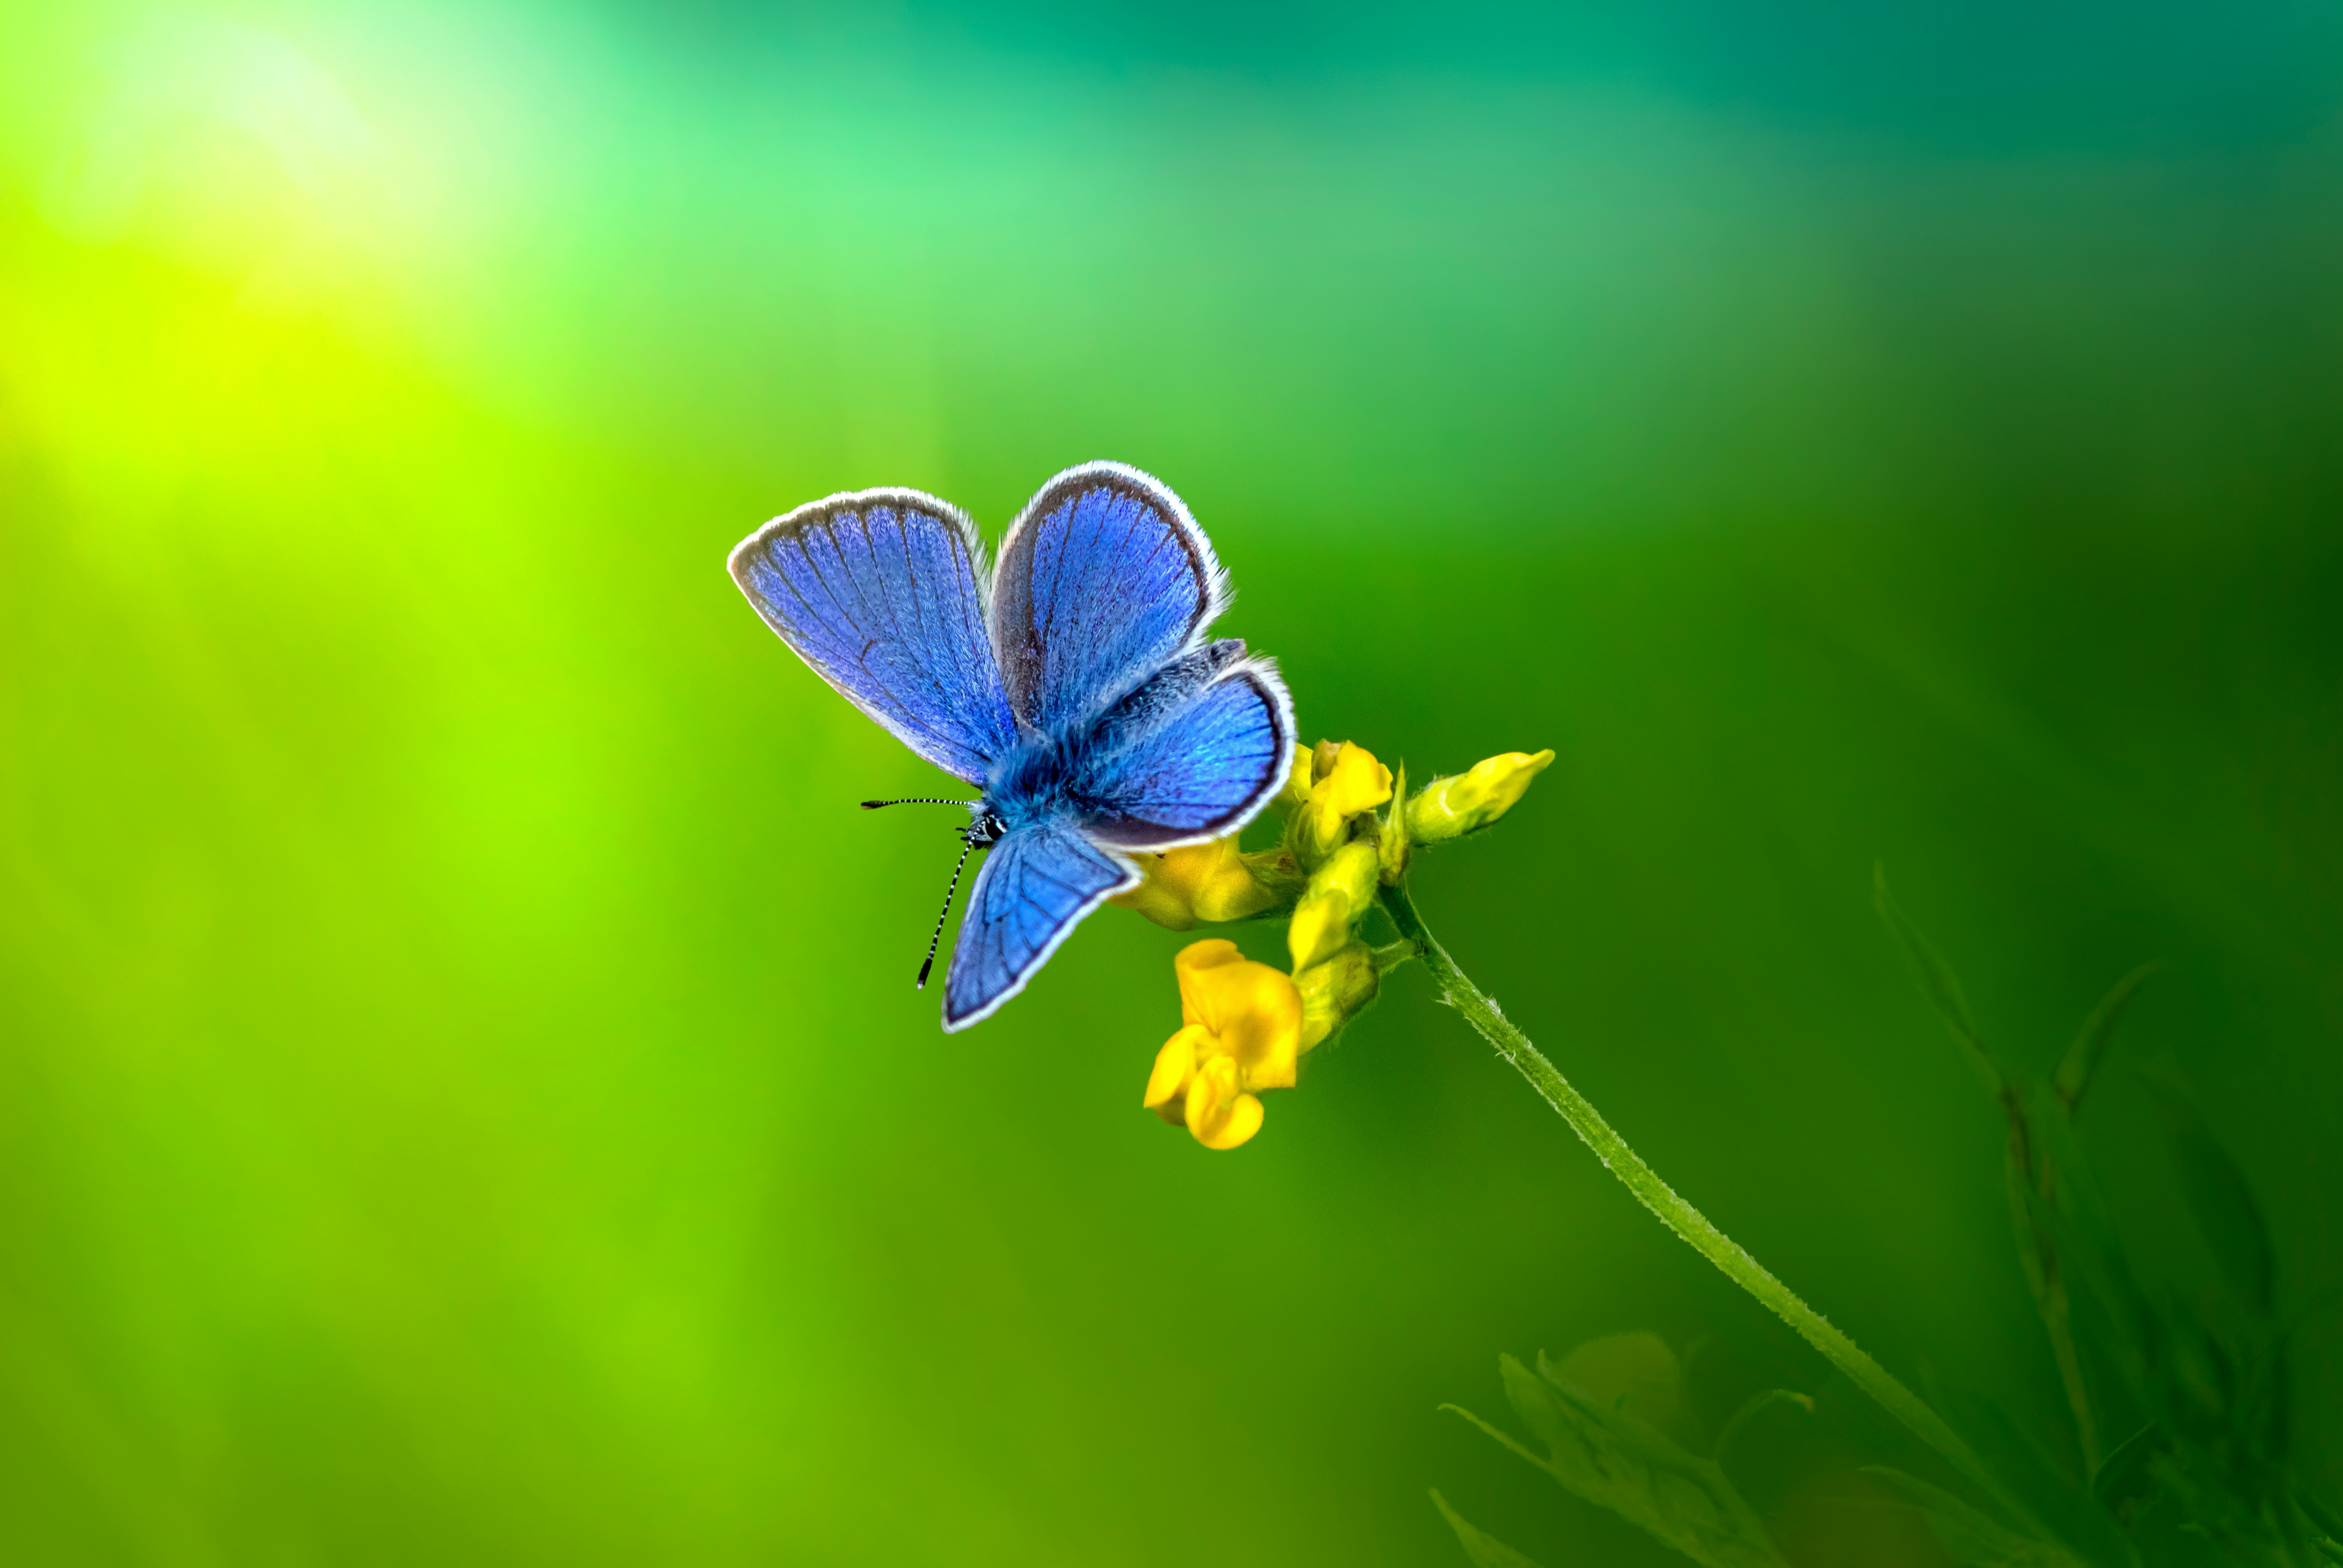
(1203, 882)
(1452, 807)
(1334, 990)
(1338, 893)
(1346, 780)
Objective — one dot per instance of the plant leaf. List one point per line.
(2320, 1514)
(1750, 1408)
(1486, 1551)
(2082, 1058)
(2126, 1476)
(2218, 1197)
(2065, 1519)
(1937, 981)
(1624, 1464)
(2327, 1532)
(1969, 1537)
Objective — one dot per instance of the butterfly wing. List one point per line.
(1103, 579)
(883, 593)
(1194, 753)
(1033, 887)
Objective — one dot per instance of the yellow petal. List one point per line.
(1175, 1064)
(1212, 881)
(1194, 966)
(1272, 1055)
(1348, 782)
(1242, 1121)
(1210, 1093)
(1358, 782)
(1244, 1032)
(1321, 924)
(1156, 901)
(1254, 1014)
(1340, 892)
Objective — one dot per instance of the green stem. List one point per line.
(2046, 1277)
(1686, 1221)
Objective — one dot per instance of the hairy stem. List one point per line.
(1683, 1218)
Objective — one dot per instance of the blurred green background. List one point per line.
(461, 1098)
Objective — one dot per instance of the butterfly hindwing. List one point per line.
(1034, 886)
(1194, 754)
(884, 594)
(1103, 579)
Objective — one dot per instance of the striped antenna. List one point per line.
(929, 962)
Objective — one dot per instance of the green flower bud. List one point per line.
(1391, 845)
(1334, 990)
(1452, 807)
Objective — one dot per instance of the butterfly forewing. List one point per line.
(883, 593)
(1103, 579)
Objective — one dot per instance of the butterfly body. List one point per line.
(1074, 686)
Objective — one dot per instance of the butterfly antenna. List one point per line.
(929, 962)
(918, 801)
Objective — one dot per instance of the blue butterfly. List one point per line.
(1073, 685)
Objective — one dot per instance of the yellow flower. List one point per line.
(1346, 780)
(1340, 892)
(1204, 883)
(1451, 807)
(1240, 1032)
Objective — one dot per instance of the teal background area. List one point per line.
(461, 1100)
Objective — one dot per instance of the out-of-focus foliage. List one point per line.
(2206, 1474)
